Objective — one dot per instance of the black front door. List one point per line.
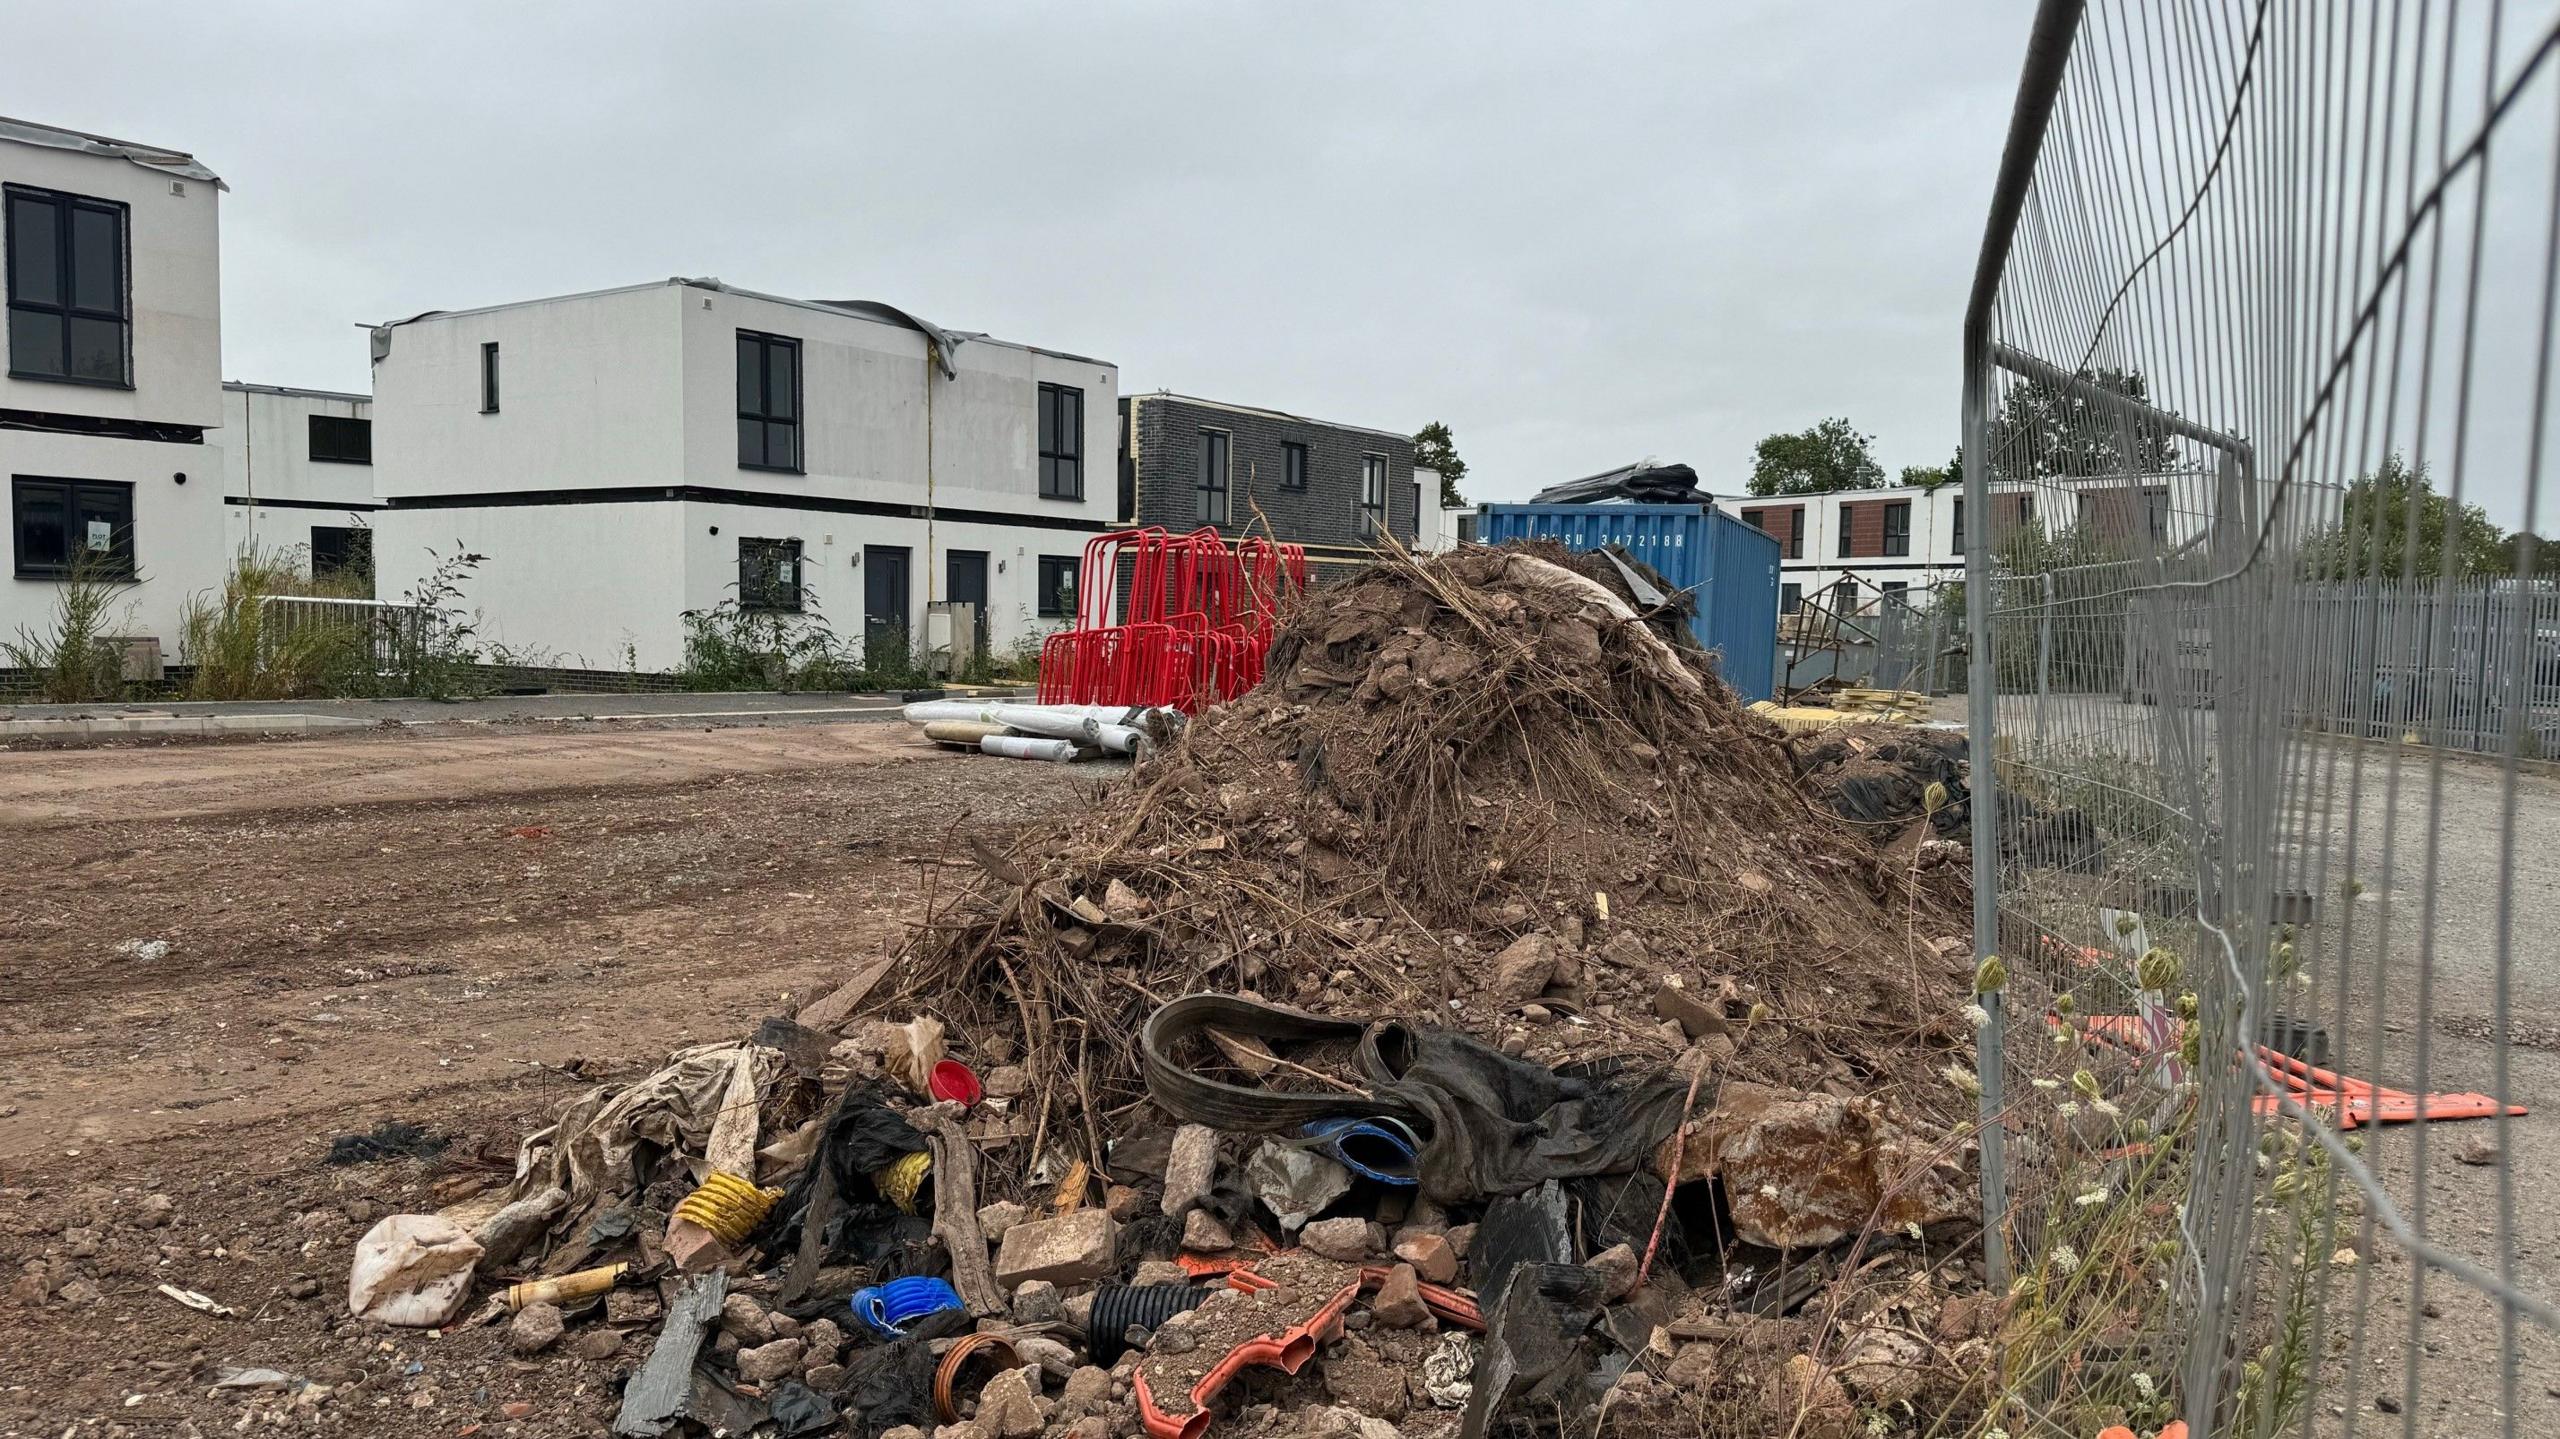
(885, 627)
(967, 584)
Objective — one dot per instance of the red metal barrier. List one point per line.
(1192, 630)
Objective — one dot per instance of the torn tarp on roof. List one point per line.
(1644, 483)
(149, 157)
(945, 342)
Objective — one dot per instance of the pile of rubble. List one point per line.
(1472, 1030)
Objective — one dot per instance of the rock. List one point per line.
(825, 1339)
(1626, 952)
(1461, 1237)
(771, 1363)
(1522, 970)
(1179, 1334)
(1696, 1017)
(1090, 1427)
(1036, 1302)
(1190, 1168)
(903, 1431)
(1617, 1264)
(741, 1315)
(1123, 903)
(1160, 1271)
(825, 1378)
(535, 1328)
(1044, 1354)
(1802, 1400)
(1399, 1303)
(995, 1220)
(1201, 1231)
(2478, 1152)
(1070, 1249)
(155, 1211)
(1078, 1311)
(80, 1292)
(1805, 1170)
(633, 1306)
(784, 1326)
(725, 1344)
(1883, 1367)
(302, 1286)
(505, 1234)
(80, 1243)
(962, 1430)
(1088, 1388)
(1693, 1368)
(1006, 1081)
(1124, 1202)
(1346, 1240)
(597, 1344)
(1430, 1255)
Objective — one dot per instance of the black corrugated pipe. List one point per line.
(2048, 54)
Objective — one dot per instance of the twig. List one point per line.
(1671, 1181)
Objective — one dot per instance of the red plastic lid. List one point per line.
(952, 1080)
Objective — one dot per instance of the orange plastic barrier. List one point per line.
(2354, 1101)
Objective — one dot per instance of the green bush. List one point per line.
(78, 661)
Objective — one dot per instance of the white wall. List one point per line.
(176, 297)
(589, 397)
(265, 448)
(570, 585)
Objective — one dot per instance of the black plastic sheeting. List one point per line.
(1645, 484)
(1490, 1124)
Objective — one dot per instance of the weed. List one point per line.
(733, 647)
(243, 648)
(78, 660)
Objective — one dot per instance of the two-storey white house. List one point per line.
(623, 456)
(297, 474)
(113, 376)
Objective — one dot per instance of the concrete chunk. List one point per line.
(1071, 1249)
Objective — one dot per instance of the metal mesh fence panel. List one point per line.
(2262, 681)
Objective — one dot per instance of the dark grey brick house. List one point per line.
(1187, 462)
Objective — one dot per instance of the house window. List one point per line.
(1293, 465)
(70, 312)
(1846, 517)
(1209, 498)
(769, 575)
(1058, 585)
(1061, 443)
(1373, 496)
(1959, 546)
(1897, 527)
(489, 378)
(1790, 599)
(769, 404)
(57, 525)
(341, 440)
(341, 550)
(2155, 512)
(1893, 588)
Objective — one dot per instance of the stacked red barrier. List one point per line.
(1196, 627)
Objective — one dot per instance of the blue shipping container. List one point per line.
(1730, 567)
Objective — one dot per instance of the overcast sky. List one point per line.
(1580, 235)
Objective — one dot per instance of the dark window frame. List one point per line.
(1059, 598)
(357, 553)
(1959, 527)
(1848, 519)
(1373, 513)
(1212, 495)
(1790, 598)
(337, 451)
(124, 565)
(1061, 464)
(488, 377)
(67, 308)
(771, 595)
(1293, 465)
(1897, 538)
(766, 345)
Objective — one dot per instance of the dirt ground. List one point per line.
(459, 931)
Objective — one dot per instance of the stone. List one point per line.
(1007, 1081)
(504, 1235)
(535, 1328)
(1124, 1202)
(995, 1220)
(1806, 1170)
(741, 1315)
(962, 1430)
(903, 1431)
(1078, 1311)
(1399, 1303)
(1616, 1264)
(302, 1286)
(1036, 1302)
(1626, 952)
(1803, 1400)
(825, 1339)
(1697, 1017)
(1008, 1407)
(1092, 1426)
(1070, 1249)
(80, 1292)
(771, 1363)
(1693, 1368)
(1461, 1237)
(2480, 1152)
(1190, 1169)
(1201, 1231)
(1044, 1354)
(597, 1344)
(784, 1326)
(1088, 1388)
(1430, 1255)
(632, 1306)
(1346, 1240)
(825, 1378)
(155, 1211)
(80, 1243)
(1522, 969)
(1160, 1271)
(1883, 1367)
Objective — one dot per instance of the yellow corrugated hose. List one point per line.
(901, 1180)
(728, 1206)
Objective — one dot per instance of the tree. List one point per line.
(2044, 431)
(1934, 477)
(2371, 537)
(1433, 449)
(1823, 460)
